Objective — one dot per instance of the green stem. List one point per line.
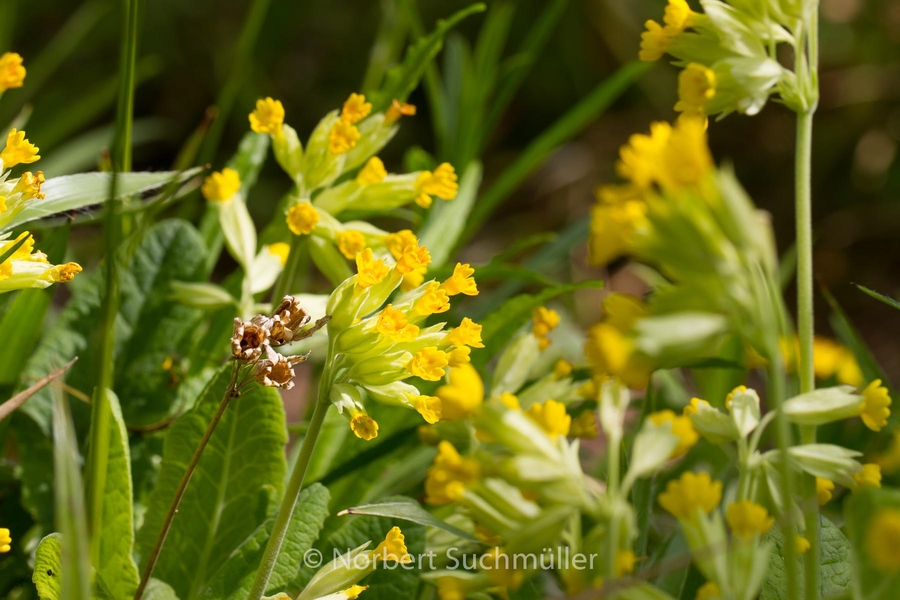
(230, 394)
(612, 490)
(295, 485)
(284, 284)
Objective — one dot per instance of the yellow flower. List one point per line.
(612, 353)
(302, 218)
(544, 320)
(747, 518)
(397, 242)
(874, 409)
(584, 426)
(351, 243)
(451, 588)
(434, 300)
(398, 109)
(883, 540)
(428, 364)
(29, 185)
(801, 544)
(709, 591)
(281, 250)
(679, 16)
(440, 183)
(414, 257)
(64, 273)
(413, 279)
(551, 416)
(510, 401)
(393, 548)
(869, 477)
(696, 87)
(500, 566)
(427, 406)
(373, 172)
(354, 591)
(690, 492)
(461, 282)
(562, 368)
(369, 270)
(640, 158)
(654, 42)
(624, 562)
(824, 487)
(682, 427)
(730, 397)
(5, 540)
(355, 109)
(12, 73)
(463, 395)
(268, 117)
(363, 426)
(393, 325)
(889, 460)
(18, 150)
(343, 137)
(694, 406)
(448, 475)
(671, 157)
(459, 356)
(467, 334)
(618, 213)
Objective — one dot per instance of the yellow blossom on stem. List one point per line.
(463, 395)
(655, 41)
(824, 487)
(428, 364)
(5, 540)
(679, 16)
(18, 150)
(640, 158)
(467, 334)
(363, 426)
(434, 300)
(801, 544)
(459, 356)
(398, 109)
(461, 282)
(619, 211)
(355, 109)
(448, 475)
(869, 477)
(393, 548)
(682, 428)
(369, 270)
(624, 562)
(696, 87)
(302, 218)
(343, 137)
(551, 416)
(64, 273)
(350, 243)
(562, 368)
(393, 325)
(883, 540)
(694, 407)
(440, 183)
(12, 73)
(510, 401)
(414, 257)
(708, 591)
(584, 426)
(29, 185)
(373, 172)
(397, 242)
(427, 406)
(544, 320)
(268, 117)
(413, 279)
(747, 518)
(690, 492)
(281, 250)
(874, 409)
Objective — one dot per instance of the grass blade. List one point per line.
(881, 297)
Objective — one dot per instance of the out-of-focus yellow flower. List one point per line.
(609, 347)
(268, 117)
(428, 364)
(709, 591)
(671, 157)
(641, 158)
(369, 270)
(12, 73)
(696, 87)
(427, 406)
(801, 544)
(393, 324)
(551, 416)
(747, 518)
(500, 567)
(544, 321)
(869, 477)
(510, 401)
(355, 109)
(449, 475)
(682, 428)
(678, 16)
(874, 409)
(373, 172)
(461, 282)
(467, 334)
(302, 218)
(440, 183)
(654, 42)
(562, 368)
(353, 592)
(690, 492)
(18, 150)
(584, 426)
(694, 406)
(741, 389)
(281, 250)
(624, 562)
(463, 395)
(451, 588)
(883, 540)
(459, 356)
(393, 548)
(350, 243)
(398, 109)
(221, 186)
(619, 211)
(824, 487)
(343, 137)
(5, 540)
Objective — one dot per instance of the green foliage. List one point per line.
(408, 511)
(859, 512)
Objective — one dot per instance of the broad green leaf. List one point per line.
(860, 514)
(75, 192)
(403, 78)
(408, 511)
(446, 220)
(231, 491)
(235, 577)
(159, 590)
(880, 297)
(48, 572)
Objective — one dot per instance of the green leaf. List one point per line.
(159, 590)
(500, 326)
(850, 337)
(48, 573)
(403, 78)
(74, 192)
(834, 565)
(869, 582)
(234, 578)
(881, 297)
(446, 220)
(408, 511)
(231, 492)
(117, 566)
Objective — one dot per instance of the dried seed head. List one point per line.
(249, 338)
(292, 315)
(276, 370)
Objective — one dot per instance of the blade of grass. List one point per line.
(881, 297)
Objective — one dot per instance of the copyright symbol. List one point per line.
(312, 558)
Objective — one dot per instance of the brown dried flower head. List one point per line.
(276, 370)
(249, 338)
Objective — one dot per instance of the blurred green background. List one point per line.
(312, 54)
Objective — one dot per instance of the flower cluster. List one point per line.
(5, 540)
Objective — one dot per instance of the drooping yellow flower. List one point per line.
(427, 406)
(682, 428)
(824, 487)
(413, 258)
(398, 109)
(619, 211)
(690, 492)
(463, 395)
(351, 243)
(12, 73)
(696, 87)
(363, 426)
(355, 109)
(679, 16)
(584, 426)
(801, 545)
(343, 137)
(397, 242)
(562, 368)
(281, 250)
(353, 592)
(883, 540)
(64, 273)
(434, 300)
(29, 185)
(459, 356)
(551, 416)
(461, 282)
(510, 401)
(428, 364)
(655, 41)
(302, 218)
(18, 150)
(369, 270)
(440, 183)
(268, 117)
(709, 591)
(467, 334)
(393, 325)
(671, 157)
(5, 540)
(747, 518)
(624, 562)
(869, 477)
(448, 475)
(874, 409)
(609, 347)
(373, 172)
(393, 548)
(640, 159)
(544, 320)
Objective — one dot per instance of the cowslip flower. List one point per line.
(801, 544)
(463, 394)
(882, 540)
(874, 409)
(442, 182)
(221, 186)
(551, 416)
(18, 150)
(696, 87)
(690, 493)
(5, 540)
(268, 117)
(747, 519)
(824, 488)
(544, 320)
(682, 427)
(868, 477)
(12, 73)
(449, 474)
